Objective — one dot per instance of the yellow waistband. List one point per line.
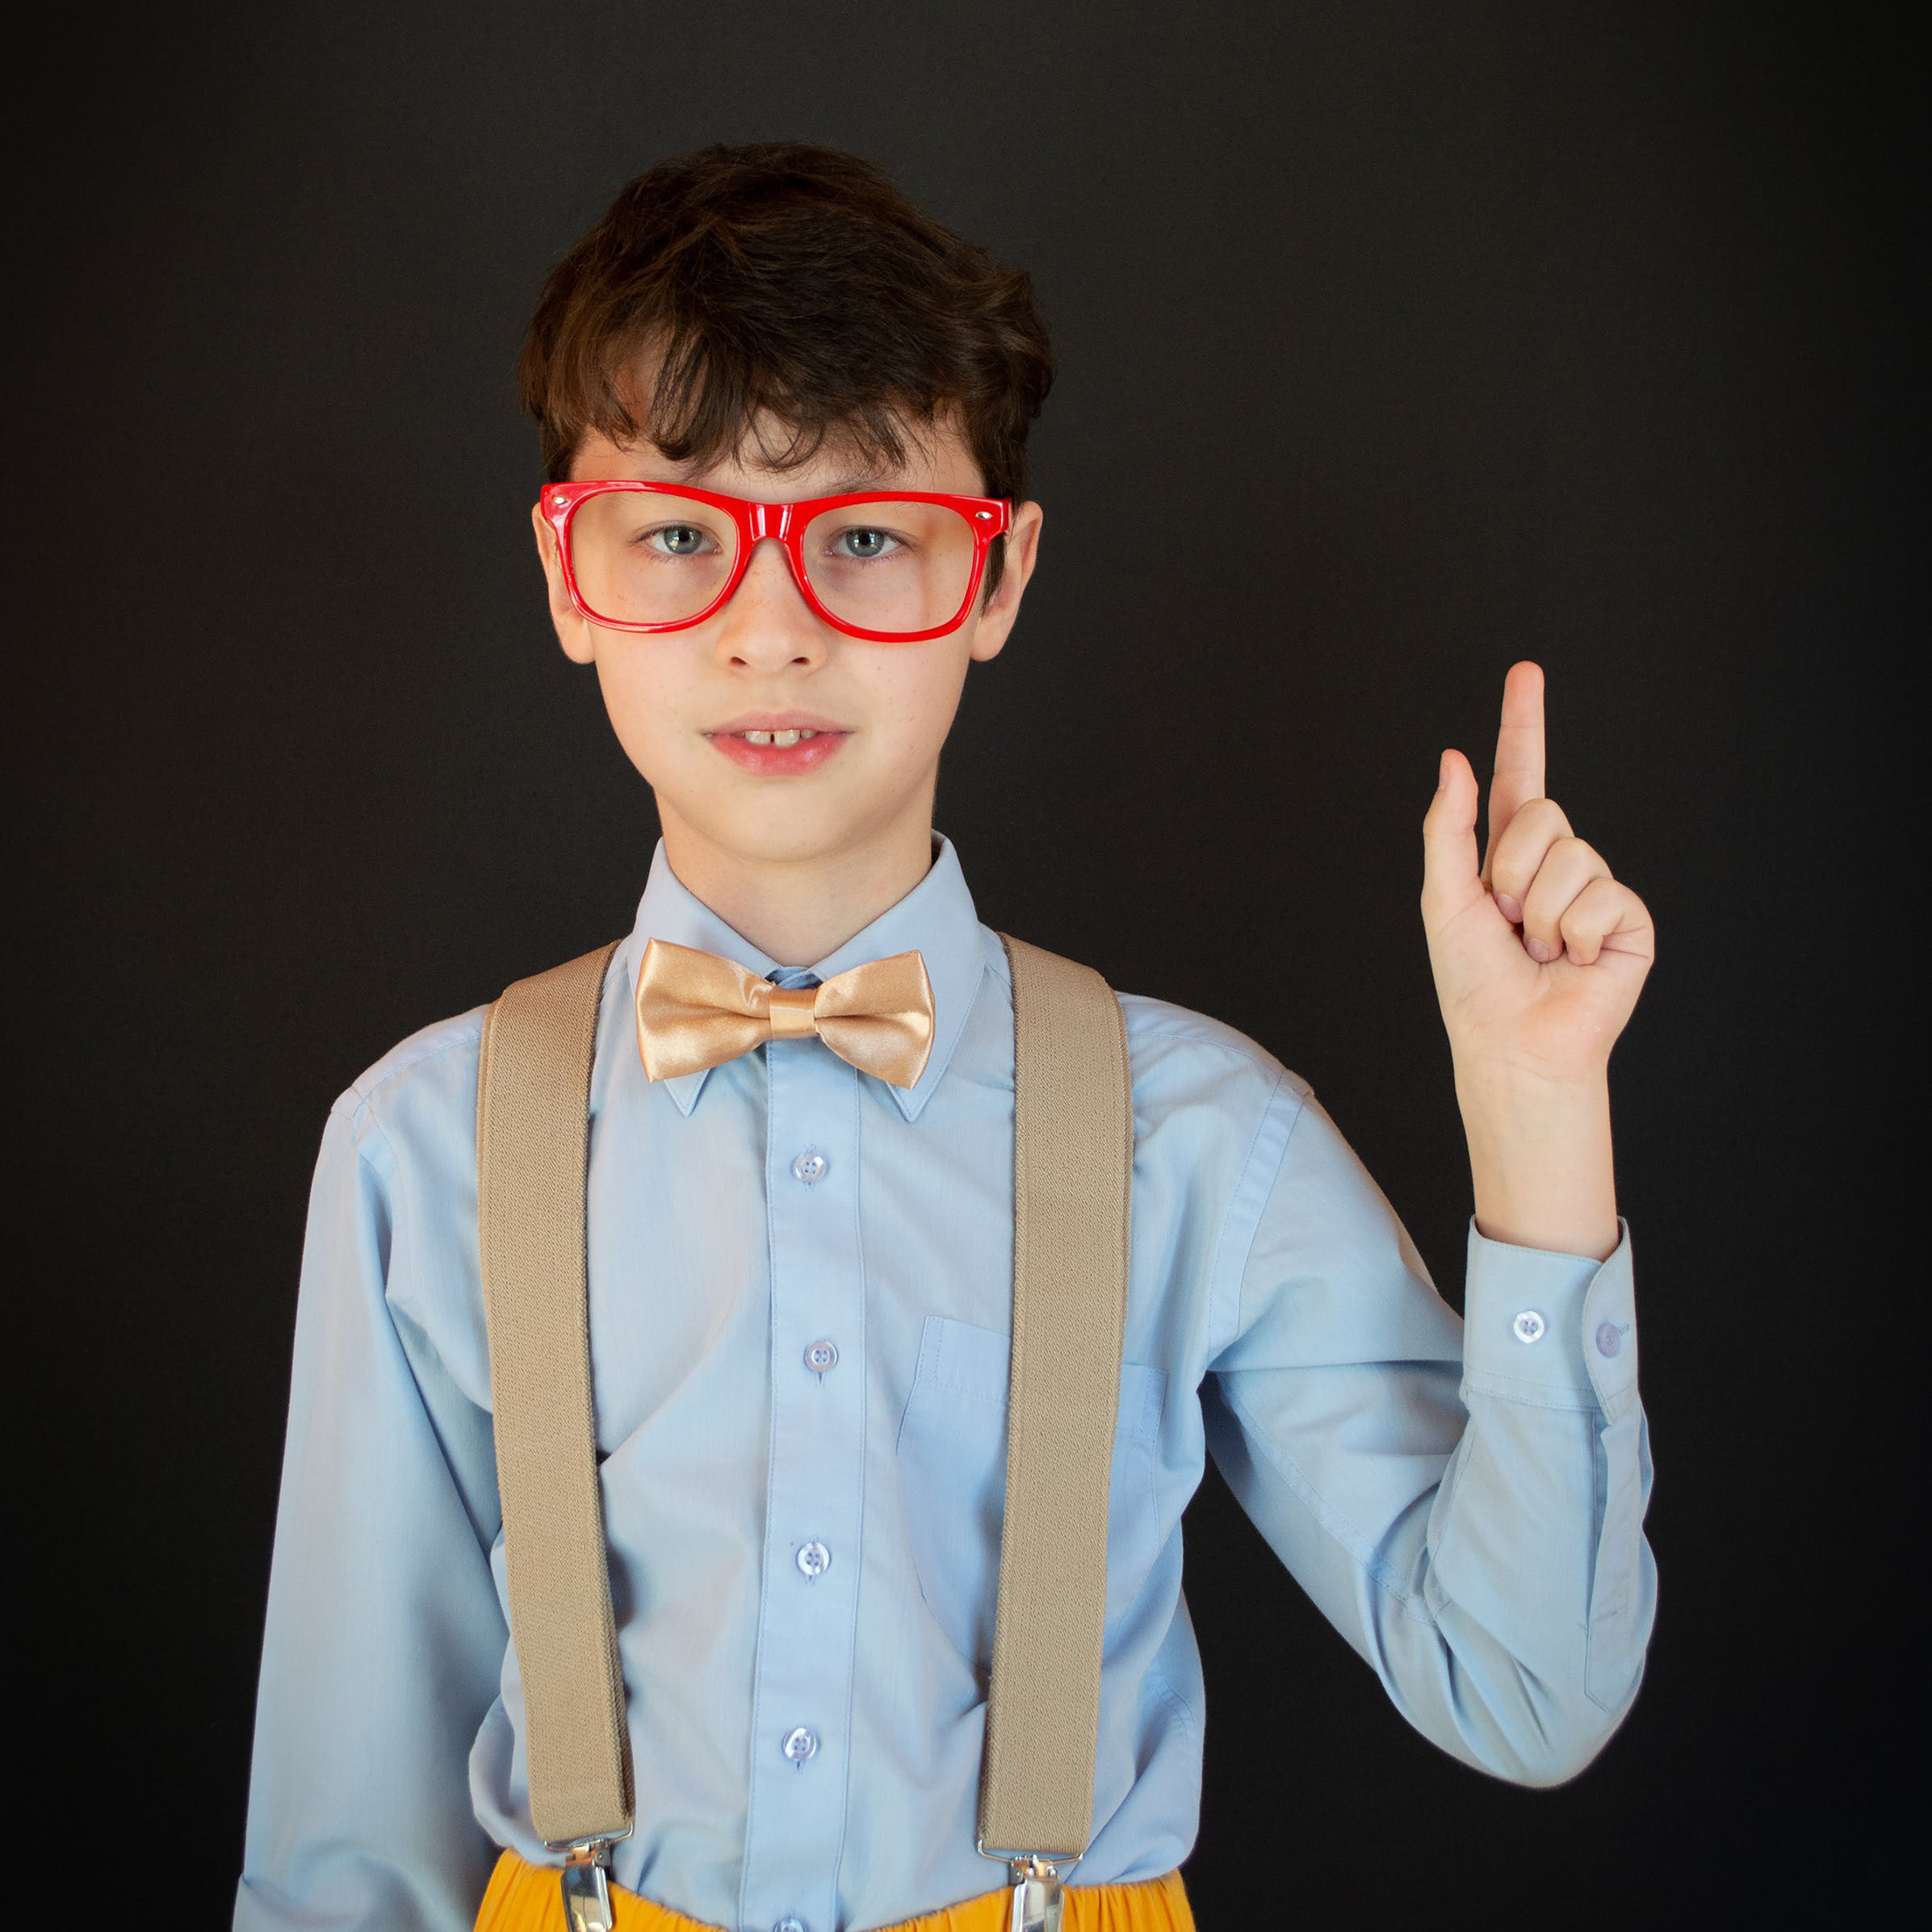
(523, 1897)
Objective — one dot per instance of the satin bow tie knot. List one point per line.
(696, 1009)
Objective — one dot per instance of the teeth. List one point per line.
(779, 738)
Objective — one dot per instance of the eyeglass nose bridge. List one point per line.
(772, 520)
(768, 520)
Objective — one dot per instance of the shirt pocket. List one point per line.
(952, 1473)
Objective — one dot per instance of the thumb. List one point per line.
(1450, 871)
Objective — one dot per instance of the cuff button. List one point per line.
(1610, 1338)
(1528, 1326)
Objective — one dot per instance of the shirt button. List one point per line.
(791, 1922)
(814, 1559)
(800, 1743)
(1528, 1326)
(1610, 1338)
(810, 1167)
(820, 1356)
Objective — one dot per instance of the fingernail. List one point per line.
(1509, 908)
(1538, 951)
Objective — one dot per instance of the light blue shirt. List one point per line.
(801, 1282)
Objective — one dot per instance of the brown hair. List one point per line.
(793, 278)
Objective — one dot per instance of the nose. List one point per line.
(768, 619)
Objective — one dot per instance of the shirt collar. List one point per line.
(937, 917)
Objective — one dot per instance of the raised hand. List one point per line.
(1540, 953)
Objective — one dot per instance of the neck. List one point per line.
(798, 906)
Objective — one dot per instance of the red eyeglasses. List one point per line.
(891, 565)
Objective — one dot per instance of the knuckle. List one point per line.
(1517, 874)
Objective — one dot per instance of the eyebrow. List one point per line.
(852, 481)
(856, 479)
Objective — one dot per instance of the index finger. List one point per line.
(1519, 776)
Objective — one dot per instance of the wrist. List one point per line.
(1507, 1093)
(1540, 1164)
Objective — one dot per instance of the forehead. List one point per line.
(933, 455)
(934, 458)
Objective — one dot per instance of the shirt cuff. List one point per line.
(1555, 1330)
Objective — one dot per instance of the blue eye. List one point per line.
(681, 539)
(869, 542)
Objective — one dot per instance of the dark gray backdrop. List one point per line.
(1396, 342)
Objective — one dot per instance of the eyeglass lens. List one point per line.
(649, 558)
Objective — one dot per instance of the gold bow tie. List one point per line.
(696, 1009)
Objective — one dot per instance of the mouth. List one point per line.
(775, 753)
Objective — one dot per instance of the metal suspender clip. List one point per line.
(587, 1882)
(1039, 1898)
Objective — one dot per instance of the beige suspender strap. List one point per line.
(1073, 1157)
(533, 1095)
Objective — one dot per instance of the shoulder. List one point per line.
(421, 1094)
(1189, 1062)
(1181, 1059)
(416, 1106)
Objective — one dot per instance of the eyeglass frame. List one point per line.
(986, 517)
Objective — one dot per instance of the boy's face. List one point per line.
(669, 693)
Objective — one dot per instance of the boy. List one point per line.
(800, 1271)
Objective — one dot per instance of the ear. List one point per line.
(572, 632)
(1022, 552)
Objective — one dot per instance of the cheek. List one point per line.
(922, 695)
(641, 698)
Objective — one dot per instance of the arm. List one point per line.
(1465, 1506)
(385, 1638)
(1476, 1534)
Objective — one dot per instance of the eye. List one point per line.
(681, 539)
(867, 542)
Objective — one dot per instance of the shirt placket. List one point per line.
(802, 1693)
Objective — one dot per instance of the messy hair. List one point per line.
(791, 278)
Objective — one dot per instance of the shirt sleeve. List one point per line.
(384, 1639)
(1464, 1503)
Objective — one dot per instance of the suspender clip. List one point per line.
(1038, 1896)
(587, 1885)
(1038, 1899)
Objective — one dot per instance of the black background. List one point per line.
(1396, 342)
